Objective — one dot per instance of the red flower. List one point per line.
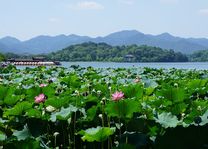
(117, 96)
(40, 98)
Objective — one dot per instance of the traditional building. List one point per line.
(128, 58)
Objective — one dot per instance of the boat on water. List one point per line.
(35, 61)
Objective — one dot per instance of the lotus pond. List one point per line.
(136, 108)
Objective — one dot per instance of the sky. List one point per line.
(25, 19)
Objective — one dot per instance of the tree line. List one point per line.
(103, 52)
(199, 56)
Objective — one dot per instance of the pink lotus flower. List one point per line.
(117, 96)
(43, 85)
(40, 98)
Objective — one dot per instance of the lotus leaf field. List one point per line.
(75, 108)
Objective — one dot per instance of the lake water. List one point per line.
(187, 65)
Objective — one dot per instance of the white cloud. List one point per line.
(203, 12)
(127, 2)
(169, 1)
(86, 5)
(53, 20)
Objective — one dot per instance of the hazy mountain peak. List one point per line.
(130, 32)
(124, 34)
(47, 44)
(165, 34)
(61, 35)
(73, 35)
(10, 40)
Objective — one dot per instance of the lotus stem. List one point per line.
(102, 145)
(126, 131)
(55, 141)
(109, 139)
(74, 139)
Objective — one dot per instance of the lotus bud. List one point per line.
(69, 121)
(199, 108)
(98, 92)
(183, 114)
(100, 116)
(103, 99)
(117, 143)
(35, 107)
(76, 92)
(94, 90)
(56, 134)
(50, 109)
(175, 84)
(101, 102)
(43, 112)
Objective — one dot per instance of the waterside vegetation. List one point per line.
(103, 108)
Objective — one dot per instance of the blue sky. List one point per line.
(28, 18)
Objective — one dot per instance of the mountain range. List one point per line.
(46, 44)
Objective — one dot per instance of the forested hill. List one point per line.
(2, 57)
(103, 52)
(199, 56)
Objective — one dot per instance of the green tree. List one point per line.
(2, 57)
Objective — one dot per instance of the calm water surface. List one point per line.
(187, 65)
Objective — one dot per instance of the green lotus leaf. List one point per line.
(22, 134)
(179, 108)
(91, 113)
(32, 93)
(204, 119)
(2, 136)
(98, 134)
(71, 81)
(197, 83)
(2, 121)
(18, 109)
(149, 90)
(3, 93)
(12, 99)
(149, 83)
(57, 102)
(48, 91)
(190, 116)
(167, 120)
(24, 144)
(103, 88)
(133, 91)
(173, 94)
(33, 113)
(123, 108)
(63, 114)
